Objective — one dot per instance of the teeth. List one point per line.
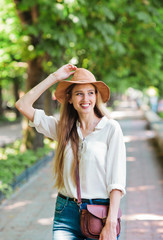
(85, 105)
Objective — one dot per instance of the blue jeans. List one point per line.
(66, 225)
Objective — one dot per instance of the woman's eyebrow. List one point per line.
(82, 90)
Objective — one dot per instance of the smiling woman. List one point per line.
(90, 145)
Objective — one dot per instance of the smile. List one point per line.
(85, 105)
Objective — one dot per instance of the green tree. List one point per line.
(123, 42)
(40, 21)
(11, 67)
(119, 40)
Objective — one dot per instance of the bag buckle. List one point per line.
(75, 200)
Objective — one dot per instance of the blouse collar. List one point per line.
(101, 124)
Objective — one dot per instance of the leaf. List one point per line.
(82, 20)
(143, 16)
(119, 48)
(105, 28)
(108, 13)
(32, 30)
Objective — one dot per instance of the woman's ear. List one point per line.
(68, 96)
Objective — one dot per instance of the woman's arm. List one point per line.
(25, 104)
(109, 231)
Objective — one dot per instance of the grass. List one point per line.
(161, 115)
(13, 162)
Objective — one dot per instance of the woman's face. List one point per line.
(83, 98)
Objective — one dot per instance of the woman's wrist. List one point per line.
(54, 77)
(111, 222)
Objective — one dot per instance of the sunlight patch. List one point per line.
(131, 159)
(140, 188)
(45, 221)
(54, 195)
(17, 205)
(143, 217)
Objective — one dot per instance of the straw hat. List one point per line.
(82, 76)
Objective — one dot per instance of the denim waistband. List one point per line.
(89, 201)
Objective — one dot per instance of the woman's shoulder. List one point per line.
(112, 123)
(113, 128)
(41, 116)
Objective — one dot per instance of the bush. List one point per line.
(13, 162)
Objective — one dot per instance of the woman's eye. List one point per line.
(81, 94)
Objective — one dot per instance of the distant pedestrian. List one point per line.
(154, 103)
(87, 138)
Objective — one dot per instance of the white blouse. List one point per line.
(102, 157)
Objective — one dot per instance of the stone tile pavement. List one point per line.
(28, 214)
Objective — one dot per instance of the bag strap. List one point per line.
(78, 183)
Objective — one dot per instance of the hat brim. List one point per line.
(60, 92)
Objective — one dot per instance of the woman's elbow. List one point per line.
(27, 111)
(18, 105)
(21, 106)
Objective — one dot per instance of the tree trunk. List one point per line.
(48, 104)
(31, 138)
(29, 17)
(16, 94)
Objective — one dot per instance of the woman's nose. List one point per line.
(85, 96)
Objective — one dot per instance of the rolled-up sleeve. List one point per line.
(116, 161)
(44, 124)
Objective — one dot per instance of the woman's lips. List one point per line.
(85, 105)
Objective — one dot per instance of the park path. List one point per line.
(9, 133)
(28, 214)
(143, 205)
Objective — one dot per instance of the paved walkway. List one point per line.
(28, 214)
(9, 133)
(143, 211)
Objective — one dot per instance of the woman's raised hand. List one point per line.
(25, 103)
(65, 72)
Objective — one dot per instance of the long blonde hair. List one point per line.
(67, 131)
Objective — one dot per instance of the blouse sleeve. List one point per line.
(116, 161)
(44, 124)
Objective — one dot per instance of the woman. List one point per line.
(85, 134)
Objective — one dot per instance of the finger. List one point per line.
(71, 66)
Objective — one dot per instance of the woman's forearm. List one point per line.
(115, 197)
(24, 104)
(109, 231)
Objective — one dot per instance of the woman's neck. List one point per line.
(88, 123)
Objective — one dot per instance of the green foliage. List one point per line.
(12, 67)
(13, 162)
(161, 114)
(5, 119)
(11, 40)
(120, 41)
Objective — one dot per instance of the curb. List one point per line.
(155, 123)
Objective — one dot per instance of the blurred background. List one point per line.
(120, 41)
